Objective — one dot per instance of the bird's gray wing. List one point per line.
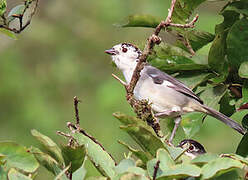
(159, 77)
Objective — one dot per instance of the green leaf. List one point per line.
(184, 9)
(166, 162)
(17, 156)
(240, 7)
(204, 158)
(8, 33)
(239, 115)
(3, 5)
(123, 166)
(98, 156)
(212, 95)
(191, 123)
(217, 53)
(131, 176)
(245, 91)
(243, 146)
(245, 122)
(96, 178)
(73, 156)
(143, 156)
(219, 166)
(147, 141)
(62, 175)
(80, 173)
(175, 152)
(236, 157)
(45, 160)
(15, 175)
(141, 133)
(237, 42)
(168, 58)
(49, 145)
(193, 79)
(243, 69)
(17, 10)
(140, 20)
(197, 39)
(150, 168)
(181, 171)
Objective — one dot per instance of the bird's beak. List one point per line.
(111, 51)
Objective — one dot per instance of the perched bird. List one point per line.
(194, 148)
(168, 96)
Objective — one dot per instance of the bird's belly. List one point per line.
(161, 97)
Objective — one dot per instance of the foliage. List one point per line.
(214, 79)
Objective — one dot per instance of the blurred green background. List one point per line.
(61, 55)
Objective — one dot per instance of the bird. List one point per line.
(194, 148)
(168, 96)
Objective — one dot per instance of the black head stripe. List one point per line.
(131, 45)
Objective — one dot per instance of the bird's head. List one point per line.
(194, 148)
(124, 55)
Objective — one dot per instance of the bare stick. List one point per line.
(76, 101)
(118, 79)
(155, 170)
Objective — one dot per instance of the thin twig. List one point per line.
(20, 17)
(118, 79)
(89, 136)
(155, 170)
(76, 101)
(188, 45)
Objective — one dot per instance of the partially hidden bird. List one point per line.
(168, 96)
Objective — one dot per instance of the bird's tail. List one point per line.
(231, 123)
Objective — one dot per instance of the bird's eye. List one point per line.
(124, 50)
(191, 148)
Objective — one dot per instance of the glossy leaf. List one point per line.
(218, 166)
(15, 175)
(17, 156)
(237, 42)
(49, 145)
(3, 5)
(19, 9)
(45, 160)
(239, 115)
(98, 156)
(141, 20)
(73, 156)
(8, 33)
(236, 157)
(168, 58)
(243, 69)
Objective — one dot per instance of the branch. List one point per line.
(20, 17)
(155, 170)
(151, 42)
(76, 101)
